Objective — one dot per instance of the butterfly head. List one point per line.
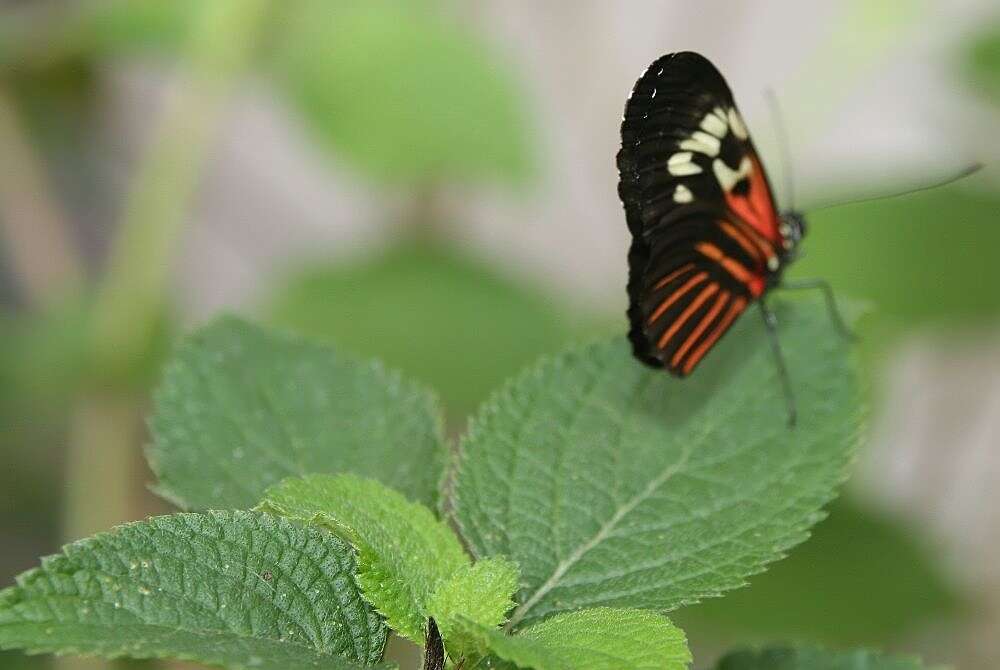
(792, 229)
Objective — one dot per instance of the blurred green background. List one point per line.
(444, 157)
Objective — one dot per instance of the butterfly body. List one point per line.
(707, 238)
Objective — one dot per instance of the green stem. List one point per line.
(131, 296)
(132, 292)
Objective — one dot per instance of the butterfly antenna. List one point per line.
(965, 172)
(784, 146)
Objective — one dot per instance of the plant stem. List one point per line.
(132, 293)
(100, 490)
(40, 248)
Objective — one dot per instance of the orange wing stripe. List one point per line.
(706, 321)
(753, 282)
(759, 240)
(742, 240)
(672, 276)
(699, 353)
(677, 295)
(686, 314)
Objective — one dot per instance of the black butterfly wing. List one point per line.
(704, 228)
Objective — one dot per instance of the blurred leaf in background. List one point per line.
(437, 315)
(18, 660)
(859, 580)
(921, 258)
(984, 62)
(44, 35)
(392, 87)
(400, 92)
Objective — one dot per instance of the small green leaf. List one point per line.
(814, 659)
(404, 552)
(402, 93)
(241, 408)
(481, 593)
(613, 484)
(239, 589)
(591, 639)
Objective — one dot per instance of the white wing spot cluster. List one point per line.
(708, 141)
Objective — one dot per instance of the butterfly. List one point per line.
(707, 238)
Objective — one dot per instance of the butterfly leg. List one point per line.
(771, 323)
(831, 302)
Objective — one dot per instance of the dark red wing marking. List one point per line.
(755, 205)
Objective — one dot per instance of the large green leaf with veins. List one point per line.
(238, 589)
(611, 484)
(240, 408)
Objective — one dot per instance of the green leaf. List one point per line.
(116, 27)
(404, 552)
(868, 580)
(592, 639)
(984, 61)
(85, 32)
(896, 254)
(480, 593)
(359, 305)
(434, 104)
(239, 589)
(613, 484)
(241, 408)
(814, 659)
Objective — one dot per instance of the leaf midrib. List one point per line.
(602, 534)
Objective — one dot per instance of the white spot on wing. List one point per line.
(727, 176)
(683, 194)
(680, 164)
(715, 123)
(736, 123)
(702, 143)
